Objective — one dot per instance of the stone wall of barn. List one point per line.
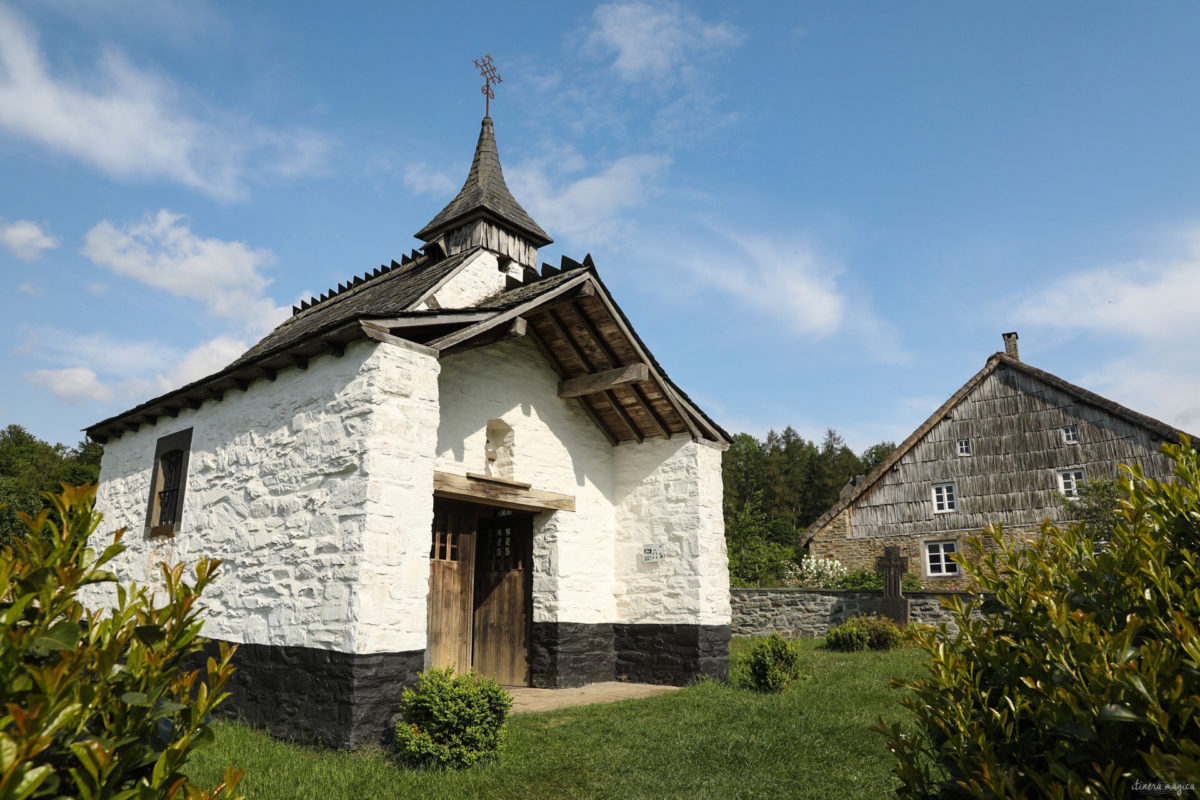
(810, 613)
(832, 542)
(309, 490)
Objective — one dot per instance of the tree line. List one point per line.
(776, 488)
(30, 466)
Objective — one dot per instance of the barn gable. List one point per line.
(1003, 449)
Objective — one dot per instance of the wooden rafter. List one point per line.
(597, 382)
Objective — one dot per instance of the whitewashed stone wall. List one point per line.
(668, 493)
(557, 448)
(281, 483)
(479, 278)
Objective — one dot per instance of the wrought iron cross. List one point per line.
(488, 70)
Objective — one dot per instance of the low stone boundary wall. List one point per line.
(809, 613)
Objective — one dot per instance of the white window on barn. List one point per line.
(1069, 480)
(1070, 434)
(964, 447)
(945, 499)
(938, 559)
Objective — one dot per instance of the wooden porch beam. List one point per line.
(603, 381)
(499, 493)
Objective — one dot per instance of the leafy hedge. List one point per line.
(99, 705)
(452, 721)
(1086, 679)
(863, 633)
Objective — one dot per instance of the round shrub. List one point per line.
(451, 721)
(1085, 681)
(862, 633)
(772, 664)
(848, 637)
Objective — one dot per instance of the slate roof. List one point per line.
(485, 193)
(387, 295)
(997, 360)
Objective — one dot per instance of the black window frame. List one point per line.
(179, 445)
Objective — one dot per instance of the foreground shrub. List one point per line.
(98, 706)
(772, 664)
(452, 721)
(1086, 680)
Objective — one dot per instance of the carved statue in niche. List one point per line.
(498, 452)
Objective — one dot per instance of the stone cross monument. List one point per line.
(893, 604)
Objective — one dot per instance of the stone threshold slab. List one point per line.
(526, 699)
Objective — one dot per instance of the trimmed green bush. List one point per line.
(863, 633)
(1085, 681)
(99, 705)
(772, 664)
(849, 637)
(452, 721)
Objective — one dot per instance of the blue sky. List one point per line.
(815, 214)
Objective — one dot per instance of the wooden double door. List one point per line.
(480, 590)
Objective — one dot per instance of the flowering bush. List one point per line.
(814, 573)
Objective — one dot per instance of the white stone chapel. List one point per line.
(457, 459)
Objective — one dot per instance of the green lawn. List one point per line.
(705, 741)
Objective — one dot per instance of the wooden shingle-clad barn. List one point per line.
(456, 459)
(1007, 448)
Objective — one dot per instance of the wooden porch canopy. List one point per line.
(600, 361)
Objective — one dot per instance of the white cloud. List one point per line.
(424, 179)
(1140, 322)
(132, 124)
(161, 251)
(73, 384)
(25, 287)
(26, 240)
(201, 361)
(655, 42)
(101, 368)
(592, 208)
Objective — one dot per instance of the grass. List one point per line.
(708, 740)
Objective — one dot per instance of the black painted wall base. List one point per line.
(570, 654)
(574, 653)
(670, 654)
(343, 699)
(311, 695)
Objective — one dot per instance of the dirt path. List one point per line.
(526, 699)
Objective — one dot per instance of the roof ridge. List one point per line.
(358, 280)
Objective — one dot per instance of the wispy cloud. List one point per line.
(72, 384)
(424, 179)
(132, 124)
(658, 42)
(26, 239)
(100, 368)
(163, 252)
(589, 208)
(793, 286)
(1142, 319)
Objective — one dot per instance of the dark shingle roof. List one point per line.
(485, 193)
(387, 295)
